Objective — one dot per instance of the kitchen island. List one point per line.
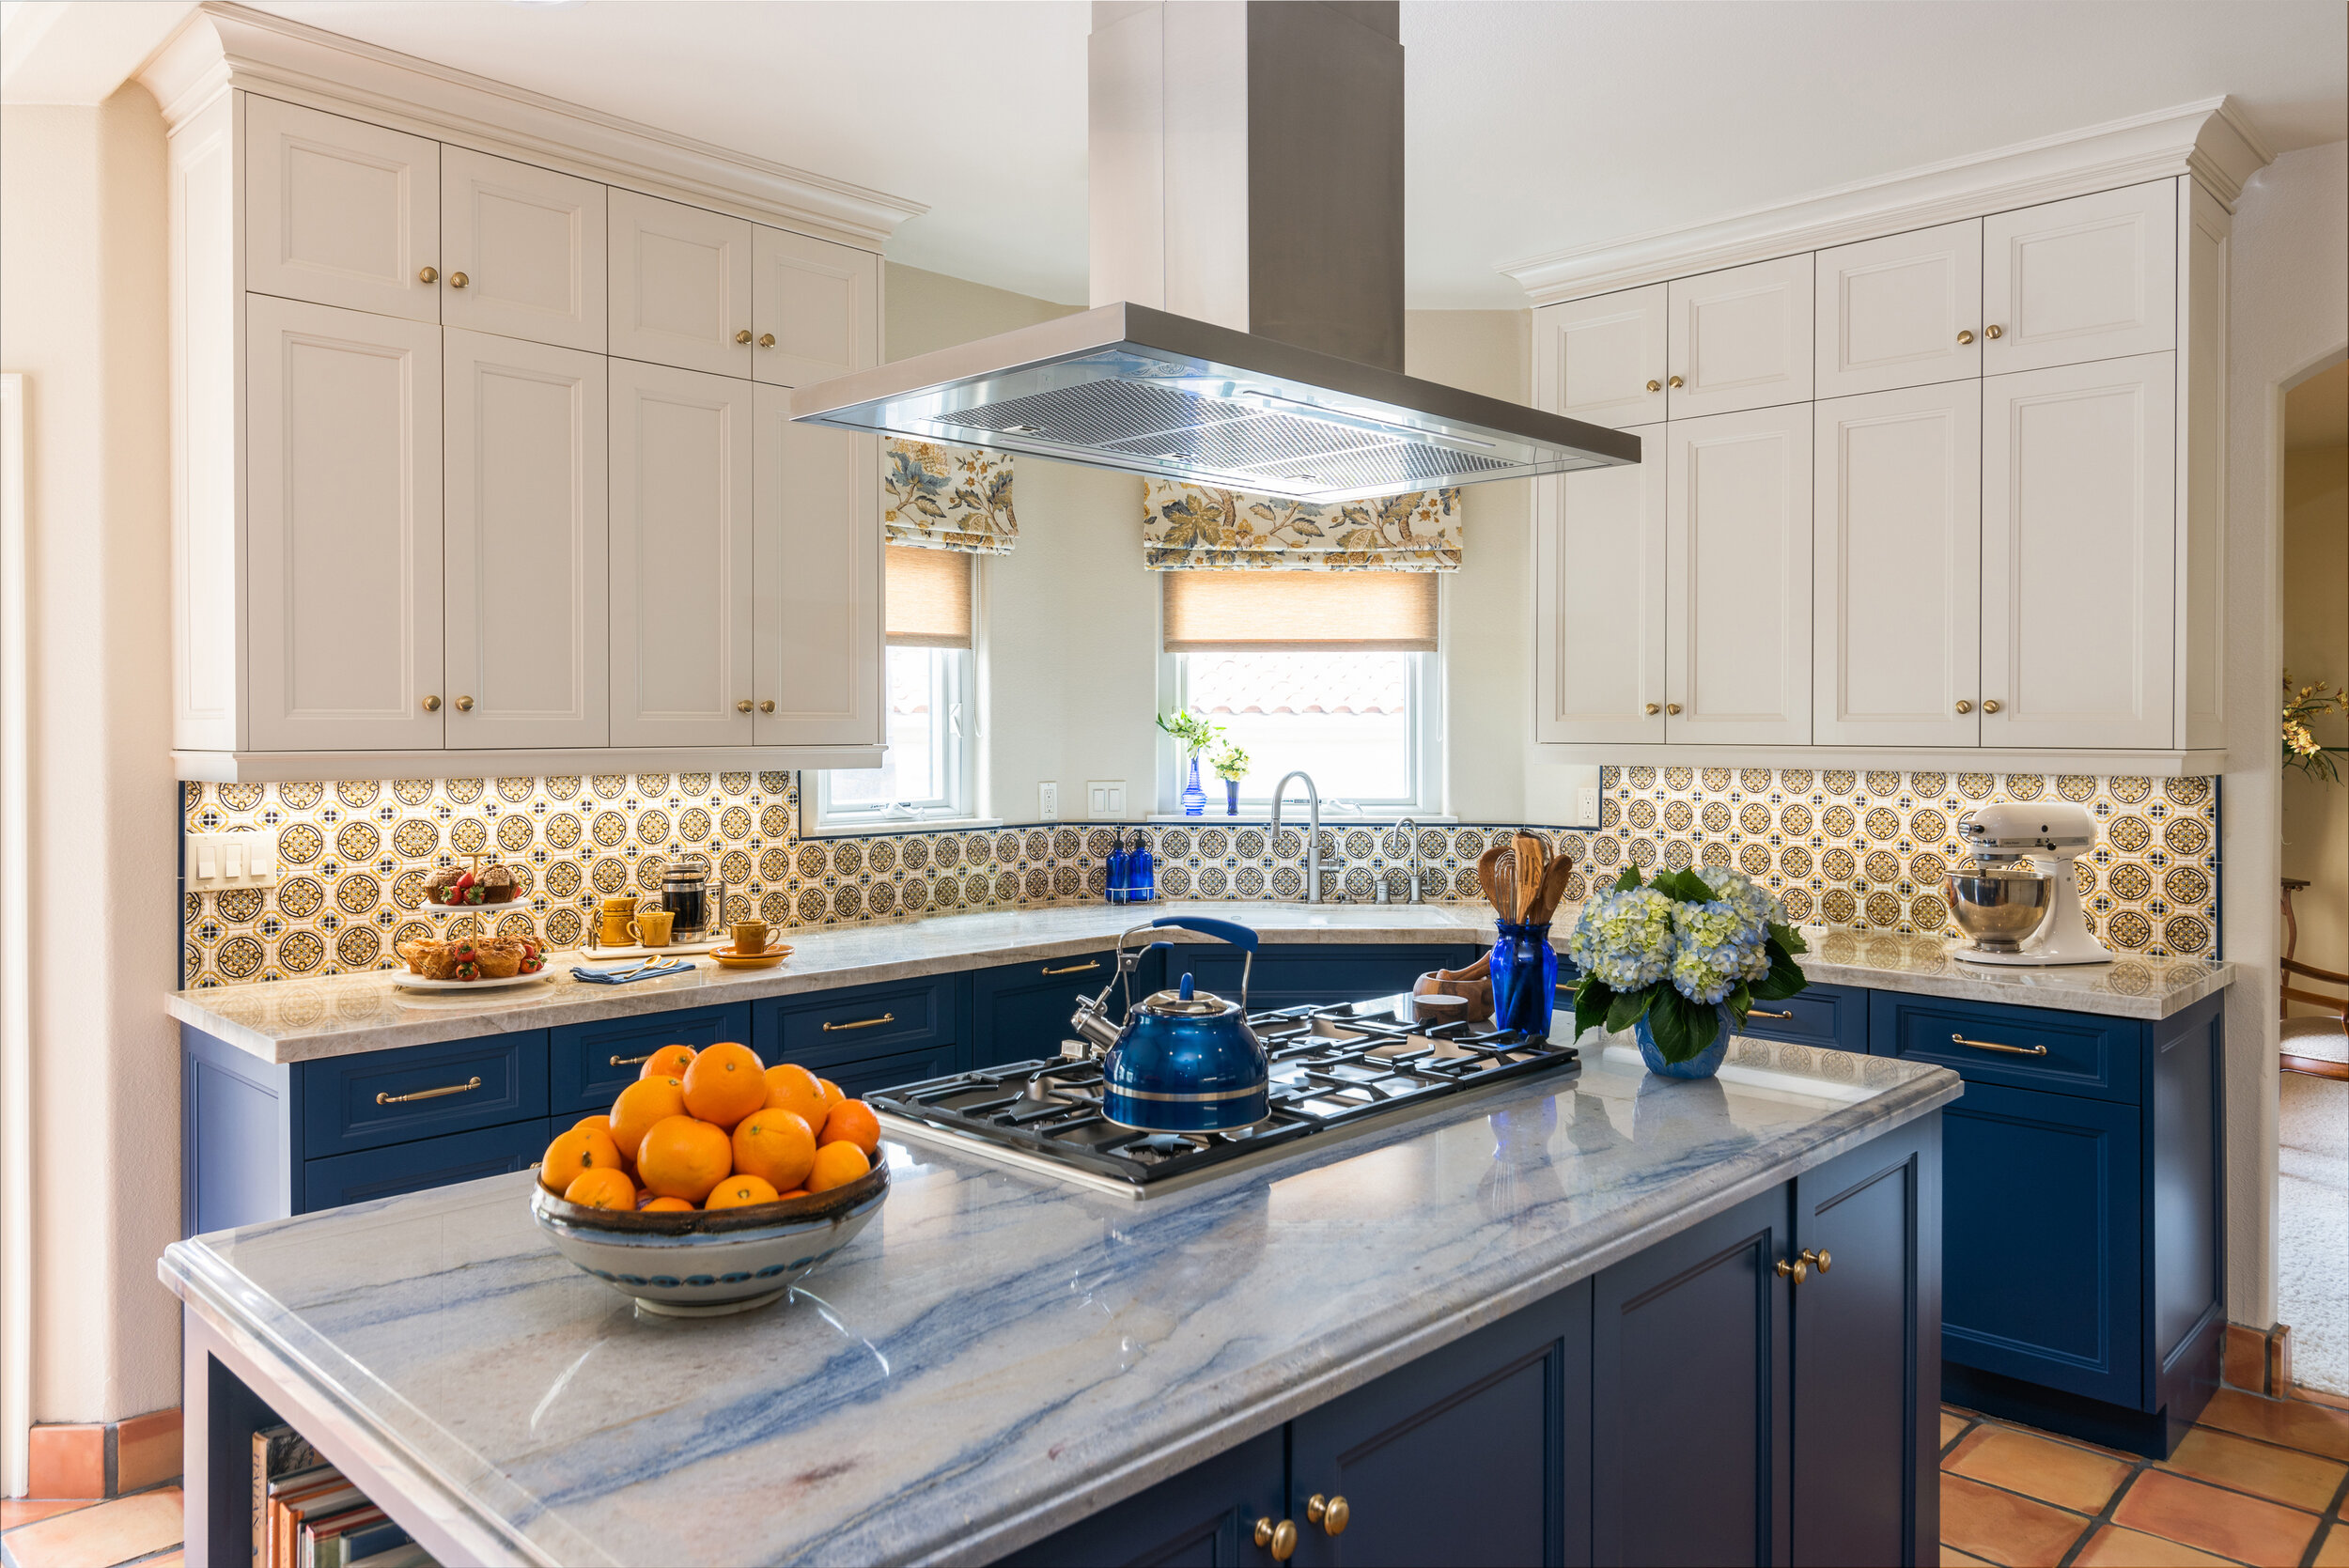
(1004, 1364)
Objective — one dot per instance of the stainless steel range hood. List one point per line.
(1247, 273)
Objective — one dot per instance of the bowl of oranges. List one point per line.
(715, 1183)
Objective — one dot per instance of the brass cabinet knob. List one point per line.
(1964, 338)
(1279, 1539)
(1820, 1261)
(1653, 709)
(766, 340)
(432, 705)
(766, 706)
(742, 707)
(1655, 386)
(742, 336)
(1330, 1513)
(1676, 382)
(458, 280)
(1798, 1270)
(1994, 332)
(464, 704)
(1672, 707)
(1964, 707)
(1990, 704)
(430, 275)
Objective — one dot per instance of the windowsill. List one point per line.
(880, 827)
(1250, 815)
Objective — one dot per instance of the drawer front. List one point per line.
(860, 1022)
(459, 1156)
(2023, 1047)
(592, 1063)
(863, 1076)
(395, 1096)
(1835, 1017)
(1021, 1011)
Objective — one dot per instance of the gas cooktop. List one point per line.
(1334, 1070)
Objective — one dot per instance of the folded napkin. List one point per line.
(627, 977)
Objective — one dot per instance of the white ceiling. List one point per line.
(1533, 127)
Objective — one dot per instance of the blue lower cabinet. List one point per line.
(2021, 1048)
(1206, 1517)
(1286, 974)
(863, 1076)
(861, 1021)
(379, 1097)
(1835, 1017)
(240, 1136)
(1020, 1012)
(591, 1063)
(461, 1156)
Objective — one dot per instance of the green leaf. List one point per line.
(1686, 886)
(1592, 1001)
(1683, 1028)
(1627, 1007)
(1630, 879)
(1788, 938)
(1740, 1002)
(1785, 979)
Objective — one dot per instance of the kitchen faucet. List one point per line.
(1409, 830)
(1313, 829)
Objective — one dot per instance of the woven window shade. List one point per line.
(928, 593)
(1256, 612)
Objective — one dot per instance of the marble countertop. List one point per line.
(999, 1352)
(2128, 988)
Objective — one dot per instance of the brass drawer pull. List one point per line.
(1993, 1044)
(631, 1060)
(860, 1023)
(1757, 1013)
(428, 1093)
(1075, 968)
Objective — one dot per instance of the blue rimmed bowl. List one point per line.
(705, 1264)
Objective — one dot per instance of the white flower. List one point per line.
(1625, 939)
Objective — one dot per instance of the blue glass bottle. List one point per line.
(1117, 872)
(1142, 886)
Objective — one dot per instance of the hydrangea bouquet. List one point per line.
(1688, 955)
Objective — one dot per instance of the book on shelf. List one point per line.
(407, 1556)
(278, 1452)
(335, 1540)
(329, 1493)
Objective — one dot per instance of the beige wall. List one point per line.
(82, 317)
(2316, 647)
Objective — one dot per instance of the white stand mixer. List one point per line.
(2050, 837)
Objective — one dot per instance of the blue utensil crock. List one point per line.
(1525, 979)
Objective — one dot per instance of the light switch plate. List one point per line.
(1105, 799)
(1047, 802)
(217, 861)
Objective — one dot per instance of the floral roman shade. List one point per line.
(948, 498)
(1190, 527)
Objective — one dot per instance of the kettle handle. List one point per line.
(1238, 936)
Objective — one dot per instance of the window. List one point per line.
(1334, 673)
(927, 692)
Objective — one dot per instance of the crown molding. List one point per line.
(227, 46)
(2209, 139)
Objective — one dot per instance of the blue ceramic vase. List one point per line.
(1231, 797)
(1525, 979)
(1703, 1065)
(1194, 798)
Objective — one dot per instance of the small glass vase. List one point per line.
(1525, 979)
(1703, 1065)
(1194, 798)
(1231, 797)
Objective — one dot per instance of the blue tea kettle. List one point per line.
(1185, 1059)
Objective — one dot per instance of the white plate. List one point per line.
(407, 981)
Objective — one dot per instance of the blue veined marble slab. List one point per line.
(999, 1354)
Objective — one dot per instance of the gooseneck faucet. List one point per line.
(1313, 829)
(1409, 830)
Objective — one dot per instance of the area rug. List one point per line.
(2313, 1223)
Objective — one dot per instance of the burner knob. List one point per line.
(1279, 1539)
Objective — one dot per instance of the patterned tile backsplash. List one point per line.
(1865, 850)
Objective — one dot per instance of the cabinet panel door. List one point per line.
(2095, 278)
(1206, 1516)
(1737, 578)
(1897, 626)
(820, 305)
(680, 284)
(1698, 1322)
(683, 521)
(820, 649)
(1020, 1012)
(529, 660)
(2078, 521)
(1741, 338)
(1602, 359)
(431, 1162)
(343, 520)
(1598, 599)
(1890, 312)
(530, 244)
(340, 214)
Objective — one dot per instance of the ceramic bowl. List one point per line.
(700, 1264)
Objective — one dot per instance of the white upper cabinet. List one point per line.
(1901, 311)
(528, 618)
(343, 520)
(1740, 339)
(340, 214)
(1598, 600)
(2079, 558)
(2095, 277)
(1738, 578)
(1896, 615)
(1602, 359)
(680, 286)
(683, 553)
(819, 581)
(815, 308)
(521, 251)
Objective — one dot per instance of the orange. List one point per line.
(739, 1191)
(836, 1165)
(792, 1087)
(832, 1090)
(668, 1062)
(583, 1148)
(795, 1193)
(640, 1104)
(650, 1204)
(601, 1188)
(852, 1121)
(725, 1084)
(600, 1123)
(682, 1158)
(775, 1146)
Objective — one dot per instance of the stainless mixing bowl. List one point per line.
(2000, 906)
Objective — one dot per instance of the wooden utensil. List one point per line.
(1528, 875)
(1505, 887)
(1485, 864)
(1553, 890)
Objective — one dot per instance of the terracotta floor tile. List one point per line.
(2227, 1523)
(2114, 1547)
(2038, 1468)
(169, 1560)
(102, 1535)
(2318, 1396)
(1950, 1427)
(2284, 1475)
(2295, 1423)
(1952, 1558)
(2004, 1527)
(146, 1450)
(2334, 1553)
(2245, 1359)
(23, 1511)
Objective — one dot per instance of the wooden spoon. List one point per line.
(1530, 855)
(1553, 890)
(1485, 864)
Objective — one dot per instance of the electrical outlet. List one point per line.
(1047, 802)
(231, 860)
(1105, 799)
(1586, 808)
